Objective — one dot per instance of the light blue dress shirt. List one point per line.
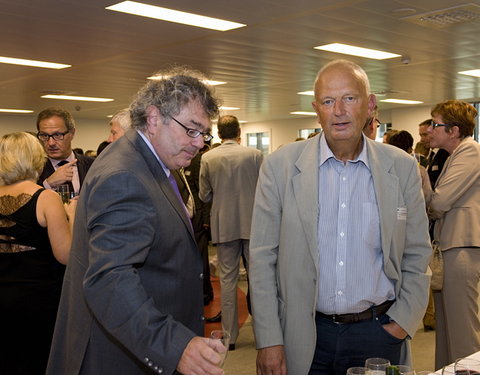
(350, 259)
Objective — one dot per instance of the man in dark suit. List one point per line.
(132, 296)
(436, 157)
(56, 129)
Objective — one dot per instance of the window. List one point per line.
(260, 141)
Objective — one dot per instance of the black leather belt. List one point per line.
(357, 317)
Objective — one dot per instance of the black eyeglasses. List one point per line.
(194, 133)
(44, 137)
(434, 124)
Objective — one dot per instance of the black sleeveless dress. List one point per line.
(30, 285)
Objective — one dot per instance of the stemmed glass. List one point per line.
(224, 338)
(378, 366)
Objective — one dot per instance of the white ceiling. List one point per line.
(265, 63)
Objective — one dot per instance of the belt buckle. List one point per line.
(334, 319)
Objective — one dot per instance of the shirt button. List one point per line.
(344, 178)
(201, 276)
(343, 205)
(342, 234)
(339, 292)
(340, 263)
(202, 318)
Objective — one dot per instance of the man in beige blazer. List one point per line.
(228, 177)
(301, 325)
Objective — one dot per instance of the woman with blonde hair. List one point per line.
(35, 239)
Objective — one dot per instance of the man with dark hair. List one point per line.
(436, 157)
(228, 177)
(132, 299)
(56, 129)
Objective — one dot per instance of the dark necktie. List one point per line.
(69, 183)
(172, 181)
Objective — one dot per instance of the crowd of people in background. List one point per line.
(335, 232)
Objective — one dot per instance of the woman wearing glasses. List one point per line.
(35, 239)
(455, 205)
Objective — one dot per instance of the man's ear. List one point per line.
(153, 115)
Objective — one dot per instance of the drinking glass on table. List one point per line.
(64, 192)
(378, 366)
(405, 370)
(358, 371)
(224, 338)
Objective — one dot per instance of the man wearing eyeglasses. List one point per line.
(56, 129)
(132, 299)
(228, 178)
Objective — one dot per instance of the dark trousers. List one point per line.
(340, 346)
(201, 237)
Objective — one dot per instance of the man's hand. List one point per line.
(201, 357)
(271, 361)
(395, 330)
(62, 174)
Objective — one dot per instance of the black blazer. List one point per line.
(83, 164)
(435, 165)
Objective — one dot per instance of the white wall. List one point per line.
(90, 133)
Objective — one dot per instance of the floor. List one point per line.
(241, 361)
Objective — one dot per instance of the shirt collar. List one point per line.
(70, 158)
(150, 146)
(326, 153)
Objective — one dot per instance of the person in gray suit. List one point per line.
(455, 205)
(132, 296)
(339, 246)
(228, 177)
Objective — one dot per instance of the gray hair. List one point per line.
(173, 91)
(123, 118)
(357, 70)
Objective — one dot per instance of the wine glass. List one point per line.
(378, 366)
(224, 338)
(64, 192)
(358, 371)
(405, 370)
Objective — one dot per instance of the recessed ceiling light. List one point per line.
(242, 121)
(310, 92)
(224, 108)
(303, 113)
(165, 14)
(206, 81)
(473, 73)
(35, 63)
(401, 101)
(357, 51)
(81, 98)
(15, 110)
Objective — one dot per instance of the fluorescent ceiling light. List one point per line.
(242, 121)
(473, 73)
(165, 14)
(303, 113)
(15, 110)
(38, 64)
(81, 98)
(357, 51)
(401, 101)
(224, 108)
(206, 81)
(311, 93)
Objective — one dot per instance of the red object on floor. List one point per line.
(214, 307)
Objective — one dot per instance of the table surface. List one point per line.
(475, 356)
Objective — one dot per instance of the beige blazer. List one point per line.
(283, 245)
(455, 203)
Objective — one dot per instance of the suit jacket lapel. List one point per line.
(160, 176)
(305, 190)
(386, 192)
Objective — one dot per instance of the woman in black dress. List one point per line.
(35, 239)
